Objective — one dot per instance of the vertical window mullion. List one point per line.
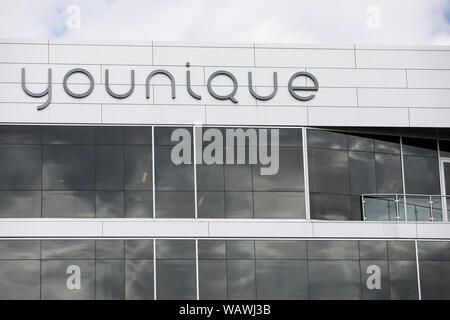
(306, 173)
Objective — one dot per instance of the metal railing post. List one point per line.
(363, 202)
(397, 217)
(430, 201)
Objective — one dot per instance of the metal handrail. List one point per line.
(396, 198)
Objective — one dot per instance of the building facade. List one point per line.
(223, 171)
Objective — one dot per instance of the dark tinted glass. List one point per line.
(360, 143)
(238, 177)
(212, 276)
(20, 204)
(376, 250)
(110, 279)
(109, 167)
(68, 249)
(139, 249)
(327, 139)
(210, 177)
(211, 204)
(20, 135)
(54, 278)
(337, 279)
(401, 250)
(175, 279)
(387, 145)
(20, 167)
(333, 249)
(281, 279)
(362, 172)
(138, 168)
(239, 204)
(138, 204)
(419, 147)
(139, 280)
(241, 279)
(280, 249)
(175, 204)
(20, 249)
(170, 176)
(163, 136)
(211, 249)
(68, 135)
(19, 279)
(68, 204)
(435, 280)
(109, 249)
(175, 249)
(138, 135)
(68, 167)
(388, 170)
(403, 280)
(434, 250)
(240, 249)
(330, 206)
(109, 135)
(421, 175)
(375, 280)
(279, 205)
(109, 204)
(328, 171)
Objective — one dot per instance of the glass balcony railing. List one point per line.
(403, 207)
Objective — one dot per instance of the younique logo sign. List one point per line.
(301, 93)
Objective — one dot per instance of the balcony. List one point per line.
(404, 207)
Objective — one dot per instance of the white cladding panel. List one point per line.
(358, 85)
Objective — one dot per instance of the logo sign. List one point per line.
(298, 92)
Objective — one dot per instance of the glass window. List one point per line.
(20, 135)
(238, 177)
(163, 136)
(19, 279)
(362, 173)
(68, 249)
(239, 204)
(280, 249)
(212, 275)
(241, 279)
(68, 204)
(109, 135)
(139, 249)
(281, 279)
(109, 169)
(109, 204)
(211, 204)
(139, 280)
(373, 250)
(401, 250)
(210, 177)
(279, 205)
(110, 279)
(327, 139)
(421, 175)
(20, 167)
(388, 170)
(387, 144)
(433, 250)
(68, 167)
(138, 204)
(109, 249)
(333, 249)
(435, 280)
(175, 249)
(168, 175)
(240, 249)
(138, 135)
(419, 147)
(330, 206)
(20, 204)
(211, 249)
(175, 279)
(360, 143)
(328, 171)
(375, 280)
(138, 168)
(59, 280)
(289, 176)
(337, 279)
(68, 135)
(175, 204)
(403, 280)
(20, 249)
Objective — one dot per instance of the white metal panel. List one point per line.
(23, 53)
(428, 78)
